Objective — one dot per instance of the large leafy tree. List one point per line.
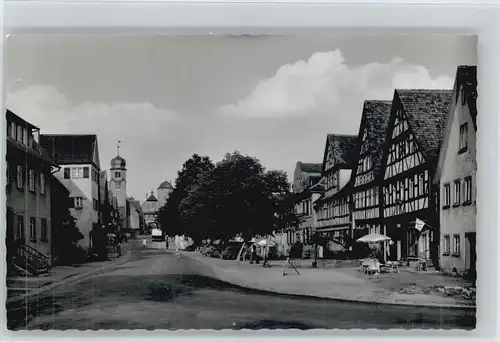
(239, 197)
(188, 177)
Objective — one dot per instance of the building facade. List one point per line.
(412, 144)
(456, 178)
(150, 209)
(29, 169)
(334, 206)
(163, 192)
(366, 199)
(78, 158)
(306, 176)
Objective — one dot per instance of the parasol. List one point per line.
(373, 238)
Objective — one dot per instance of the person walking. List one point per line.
(252, 253)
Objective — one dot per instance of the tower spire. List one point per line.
(118, 147)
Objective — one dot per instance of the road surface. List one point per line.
(155, 290)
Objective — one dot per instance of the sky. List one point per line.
(167, 97)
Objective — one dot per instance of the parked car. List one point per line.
(215, 253)
(190, 248)
(230, 252)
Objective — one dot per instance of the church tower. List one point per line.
(118, 179)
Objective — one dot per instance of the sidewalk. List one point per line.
(19, 287)
(346, 283)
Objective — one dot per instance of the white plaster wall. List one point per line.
(462, 219)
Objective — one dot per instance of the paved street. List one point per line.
(155, 290)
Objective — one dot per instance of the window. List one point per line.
(32, 228)
(66, 172)
(463, 138)
(42, 183)
(86, 172)
(446, 196)
(78, 202)
(456, 245)
(20, 227)
(94, 204)
(19, 179)
(13, 130)
(44, 236)
(19, 136)
(77, 172)
(25, 137)
(446, 245)
(31, 180)
(468, 190)
(456, 200)
(118, 174)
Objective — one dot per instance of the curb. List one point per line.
(381, 302)
(71, 278)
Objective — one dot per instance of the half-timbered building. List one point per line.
(414, 136)
(366, 208)
(334, 206)
(306, 190)
(456, 178)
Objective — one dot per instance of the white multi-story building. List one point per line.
(456, 177)
(78, 158)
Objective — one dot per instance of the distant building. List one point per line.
(334, 206)
(29, 169)
(149, 209)
(306, 190)
(456, 177)
(78, 157)
(164, 191)
(136, 215)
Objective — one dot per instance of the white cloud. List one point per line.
(325, 85)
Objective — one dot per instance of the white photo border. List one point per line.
(149, 17)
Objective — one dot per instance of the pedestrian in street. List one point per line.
(252, 253)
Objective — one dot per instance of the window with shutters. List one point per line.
(463, 138)
(20, 227)
(446, 196)
(467, 190)
(20, 177)
(42, 183)
(33, 229)
(44, 233)
(86, 172)
(31, 180)
(456, 199)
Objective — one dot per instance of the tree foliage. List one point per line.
(188, 177)
(238, 197)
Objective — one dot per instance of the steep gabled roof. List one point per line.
(135, 204)
(166, 185)
(151, 198)
(427, 113)
(375, 119)
(310, 167)
(70, 148)
(466, 78)
(344, 149)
